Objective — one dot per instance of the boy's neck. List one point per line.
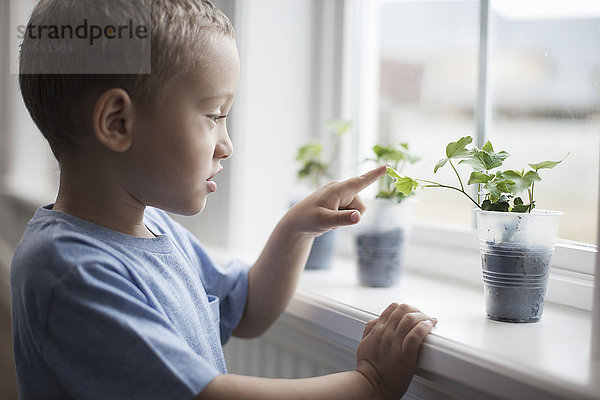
(98, 200)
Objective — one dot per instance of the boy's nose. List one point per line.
(224, 148)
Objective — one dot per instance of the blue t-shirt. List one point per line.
(104, 315)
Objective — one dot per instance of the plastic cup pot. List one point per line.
(516, 255)
(380, 241)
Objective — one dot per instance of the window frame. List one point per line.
(573, 268)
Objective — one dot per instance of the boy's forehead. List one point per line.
(215, 71)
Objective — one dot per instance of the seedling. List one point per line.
(397, 156)
(314, 168)
(496, 190)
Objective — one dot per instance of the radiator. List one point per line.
(296, 348)
(290, 349)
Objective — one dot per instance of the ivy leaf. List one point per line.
(395, 152)
(500, 205)
(455, 150)
(339, 127)
(392, 172)
(475, 161)
(531, 176)
(309, 152)
(520, 208)
(546, 164)
(479, 177)
(521, 181)
(406, 185)
(312, 168)
(497, 187)
(486, 158)
(440, 164)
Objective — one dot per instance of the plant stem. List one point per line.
(530, 193)
(436, 184)
(462, 188)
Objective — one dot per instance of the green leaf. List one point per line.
(309, 151)
(545, 164)
(440, 164)
(313, 169)
(521, 182)
(394, 153)
(499, 205)
(488, 147)
(339, 127)
(518, 201)
(406, 185)
(475, 162)
(484, 160)
(479, 177)
(457, 149)
(496, 188)
(392, 172)
(520, 208)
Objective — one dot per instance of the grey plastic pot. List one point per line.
(322, 251)
(516, 255)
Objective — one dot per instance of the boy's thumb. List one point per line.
(347, 217)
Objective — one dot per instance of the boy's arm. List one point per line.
(386, 360)
(273, 278)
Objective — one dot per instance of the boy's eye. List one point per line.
(215, 118)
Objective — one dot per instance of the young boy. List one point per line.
(113, 299)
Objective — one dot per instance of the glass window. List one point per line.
(544, 69)
(428, 84)
(543, 73)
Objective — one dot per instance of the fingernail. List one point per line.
(355, 217)
(434, 321)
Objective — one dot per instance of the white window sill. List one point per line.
(467, 352)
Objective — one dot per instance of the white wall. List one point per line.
(272, 116)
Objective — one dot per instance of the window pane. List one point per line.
(545, 95)
(428, 80)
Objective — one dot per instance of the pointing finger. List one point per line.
(358, 183)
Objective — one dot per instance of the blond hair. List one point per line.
(178, 31)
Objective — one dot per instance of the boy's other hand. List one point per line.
(387, 355)
(335, 204)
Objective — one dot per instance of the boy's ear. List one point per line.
(113, 120)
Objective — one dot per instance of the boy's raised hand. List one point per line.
(387, 355)
(335, 204)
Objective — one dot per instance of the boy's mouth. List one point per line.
(218, 172)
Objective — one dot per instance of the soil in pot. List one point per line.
(380, 257)
(515, 278)
(321, 253)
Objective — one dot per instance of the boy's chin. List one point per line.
(188, 210)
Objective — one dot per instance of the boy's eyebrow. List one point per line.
(224, 95)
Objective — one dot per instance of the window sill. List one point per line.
(467, 354)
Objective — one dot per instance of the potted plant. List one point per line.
(314, 171)
(382, 235)
(516, 239)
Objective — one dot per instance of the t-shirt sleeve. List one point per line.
(230, 285)
(103, 340)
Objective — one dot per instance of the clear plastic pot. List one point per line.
(380, 241)
(516, 255)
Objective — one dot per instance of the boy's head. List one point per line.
(176, 29)
(193, 60)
